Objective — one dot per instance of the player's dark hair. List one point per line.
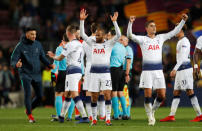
(102, 29)
(72, 29)
(148, 22)
(184, 28)
(65, 37)
(30, 29)
(77, 27)
(113, 32)
(93, 27)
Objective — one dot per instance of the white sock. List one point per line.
(65, 107)
(148, 109)
(156, 105)
(101, 105)
(108, 107)
(195, 104)
(174, 106)
(94, 110)
(89, 109)
(80, 107)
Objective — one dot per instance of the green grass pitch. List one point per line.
(16, 120)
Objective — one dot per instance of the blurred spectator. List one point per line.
(15, 10)
(167, 68)
(47, 31)
(28, 7)
(2, 58)
(135, 80)
(48, 89)
(6, 82)
(195, 13)
(60, 15)
(1, 83)
(25, 21)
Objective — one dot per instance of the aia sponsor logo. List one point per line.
(153, 47)
(99, 51)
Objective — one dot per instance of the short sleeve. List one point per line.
(129, 53)
(66, 50)
(199, 43)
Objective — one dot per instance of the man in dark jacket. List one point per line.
(26, 57)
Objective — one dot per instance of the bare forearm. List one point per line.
(128, 66)
(82, 30)
(129, 30)
(196, 57)
(175, 31)
(118, 32)
(59, 58)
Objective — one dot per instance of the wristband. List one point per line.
(195, 66)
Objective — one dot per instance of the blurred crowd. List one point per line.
(51, 17)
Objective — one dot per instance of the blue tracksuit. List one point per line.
(30, 53)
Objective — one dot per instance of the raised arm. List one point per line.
(83, 16)
(117, 30)
(177, 29)
(130, 35)
(130, 24)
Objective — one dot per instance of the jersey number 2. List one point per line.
(108, 82)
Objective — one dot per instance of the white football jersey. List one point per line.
(100, 52)
(88, 51)
(152, 47)
(73, 51)
(182, 53)
(199, 43)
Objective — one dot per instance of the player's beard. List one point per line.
(99, 40)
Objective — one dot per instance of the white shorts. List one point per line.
(100, 82)
(184, 79)
(72, 82)
(86, 83)
(154, 78)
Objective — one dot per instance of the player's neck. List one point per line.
(151, 35)
(181, 36)
(93, 34)
(72, 38)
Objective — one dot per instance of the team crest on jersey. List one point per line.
(153, 47)
(99, 51)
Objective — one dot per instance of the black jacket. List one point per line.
(30, 53)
